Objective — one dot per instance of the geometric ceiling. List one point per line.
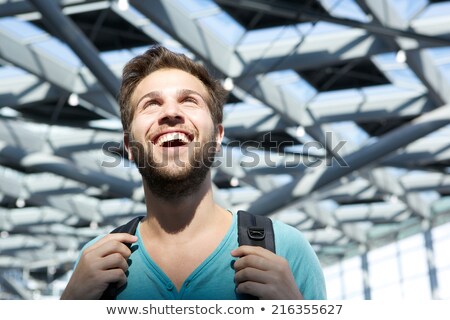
(337, 122)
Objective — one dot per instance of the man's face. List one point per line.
(173, 138)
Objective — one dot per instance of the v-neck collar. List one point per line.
(162, 276)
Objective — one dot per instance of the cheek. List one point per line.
(141, 126)
(202, 120)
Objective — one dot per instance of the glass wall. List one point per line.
(441, 240)
(401, 270)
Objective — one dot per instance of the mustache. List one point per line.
(150, 135)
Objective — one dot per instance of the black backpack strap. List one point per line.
(130, 227)
(255, 230)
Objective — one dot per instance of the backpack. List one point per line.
(253, 230)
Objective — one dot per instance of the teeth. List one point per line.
(171, 137)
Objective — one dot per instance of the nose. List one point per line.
(171, 114)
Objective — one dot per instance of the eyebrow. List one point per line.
(150, 95)
(187, 92)
(180, 92)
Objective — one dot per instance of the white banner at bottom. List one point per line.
(236, 310)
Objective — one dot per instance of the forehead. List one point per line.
(169, 81)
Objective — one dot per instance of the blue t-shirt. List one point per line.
(213, 279)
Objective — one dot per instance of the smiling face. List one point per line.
(173, 138)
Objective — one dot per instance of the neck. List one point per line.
(181, 215)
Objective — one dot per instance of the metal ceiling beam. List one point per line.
(323, 215)
(55, 139)
(322, 112)
(382, 179)
(41, 162)
(365, 104)
(326, 236)
(273, 90)
(298, 103)
(414, 58)
(66, 196)
(319, 177)
(121, 183)
(16, 287)
(245, 52)
(242, 119)
(371, 212)
(26, 10)
(10, 219)
(417, 62)
(14, 242)
(9, 8)
(301, 13)
(361, 189)
(32, 52)
(32, 151)
(79, 43)
(425, 152)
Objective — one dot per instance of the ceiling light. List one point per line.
(51, 270)
(393, 199)
(234, 182)
(73, 100)
(20, 203)
(93, 225)
(400, 57)
(300, 132)
(9, 112)
(123, 5)
(228, 84)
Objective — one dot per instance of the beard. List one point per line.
(174, 178)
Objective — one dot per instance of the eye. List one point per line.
(150, 102)
(190, 99)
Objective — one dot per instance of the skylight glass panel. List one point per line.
(435, 10)
(398, 73)
(60, 51)
(11, 71)
(328, 28)
(265, 37)
(116, 56)
(20, 29)
(300, 90)
(349, 131)
(408, 8)
(218, 23)
(445, 69)
(193, 6)
(345, 9)
(440, 55)
(405, 77)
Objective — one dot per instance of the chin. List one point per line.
(175, 183)
(175, 173)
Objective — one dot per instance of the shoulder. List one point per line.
(292, 244)
(288, 237)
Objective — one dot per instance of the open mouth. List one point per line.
(172, 139)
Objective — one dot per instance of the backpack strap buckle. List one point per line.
(256, 233)
(255, 230)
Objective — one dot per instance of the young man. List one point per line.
(186, 247)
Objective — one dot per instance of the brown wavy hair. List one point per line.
(157, 58)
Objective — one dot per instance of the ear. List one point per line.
(219, 135)
(126, 141)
